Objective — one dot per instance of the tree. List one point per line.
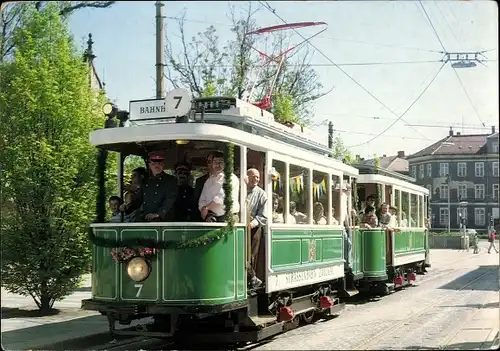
(12, 15)
(48, 165)
(204, 64)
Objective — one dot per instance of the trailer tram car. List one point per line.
(191, 278)
(392, 258)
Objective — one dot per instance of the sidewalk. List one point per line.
(481, 332)
(22, 329)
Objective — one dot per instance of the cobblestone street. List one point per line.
(455, 305)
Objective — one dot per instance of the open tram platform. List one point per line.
(23, 330)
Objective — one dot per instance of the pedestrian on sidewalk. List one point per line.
(491, 239)
(475, 243)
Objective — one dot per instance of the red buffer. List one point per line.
(412, 277)
(325, 302)
(398, 280)
(286, 314)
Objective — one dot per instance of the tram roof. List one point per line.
(401, 184)
(130, 140)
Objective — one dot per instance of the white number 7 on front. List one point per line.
(139, 289)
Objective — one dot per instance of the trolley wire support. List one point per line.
(466, 59)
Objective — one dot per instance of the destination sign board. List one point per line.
(176, 103)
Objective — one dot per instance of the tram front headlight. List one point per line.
(138, 269)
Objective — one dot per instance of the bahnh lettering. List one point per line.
(152, 109)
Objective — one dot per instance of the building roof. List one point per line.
(392, 163)
(470, 144)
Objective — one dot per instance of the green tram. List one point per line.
(390, 259)
(190, 278)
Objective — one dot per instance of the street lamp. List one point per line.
(449, 204)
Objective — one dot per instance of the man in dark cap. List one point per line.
(159, 191)
(185, 207)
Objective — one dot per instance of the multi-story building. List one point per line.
(462, 175)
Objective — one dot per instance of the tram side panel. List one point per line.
(177, 276)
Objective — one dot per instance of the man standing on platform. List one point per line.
(257, 206)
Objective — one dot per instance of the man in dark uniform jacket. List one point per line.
(159, 191)
(200, 182)
(185, 207)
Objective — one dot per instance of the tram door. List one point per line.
(257, 160)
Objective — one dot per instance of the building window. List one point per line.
(479, 169)
(495, 169)
(429, 187)
(443, 169)
(479, 191)
(444, 191)
(495, 148)
(462, 169)
(443, 215)
(414, 172)
(495, 191)
(429, 170)
(462, 192)
(421, 171)
(461, 211)
(479, 216)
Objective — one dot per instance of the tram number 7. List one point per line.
(139, 289)
(179, 99)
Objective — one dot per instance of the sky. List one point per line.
(365, 99)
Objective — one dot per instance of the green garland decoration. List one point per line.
(204, 240)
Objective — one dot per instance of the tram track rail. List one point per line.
(371, 342)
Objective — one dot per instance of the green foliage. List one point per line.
(48, 111)
(284, 109)
(339, 151)
(13, 15)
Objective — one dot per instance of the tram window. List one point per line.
(336, 200)
(421, 214)
(320, 198)
(299, 194)
(413, 220)
(278, 184)
(405, 205)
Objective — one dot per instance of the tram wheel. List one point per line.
(308, 317)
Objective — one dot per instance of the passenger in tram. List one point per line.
(319, 214)
(185, 206)
(404, 221)
(133, 194)
(300, 218)
(211, 202)
(334, 220)
(278, 216)
(369, 220)
(159, 192)
(386, 218)
(257, 204)
(198, 185)
(394, 217)
(114, 206)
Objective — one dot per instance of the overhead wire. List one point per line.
(432, 26)
(405, 112)
(266, 5)
(388, 136)
(468, 96)
(319, 36)
(338, 64)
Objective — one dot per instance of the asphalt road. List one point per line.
(459, 294)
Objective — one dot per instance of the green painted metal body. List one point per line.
(357, 252)
(293, 249)
(374, 253)
(210, 275)
(410, 242)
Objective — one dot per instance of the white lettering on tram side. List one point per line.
(290, 279)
